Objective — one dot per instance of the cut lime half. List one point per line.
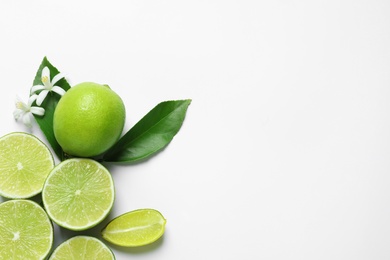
(82, 248)
(135, 228)
(26, 231)
(25, 162)
(78, 194)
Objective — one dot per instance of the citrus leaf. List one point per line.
(152, 133)
(45, 122)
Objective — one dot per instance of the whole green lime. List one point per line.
(88, 119)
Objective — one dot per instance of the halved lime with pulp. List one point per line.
(82, 248)
(26, 231)
(78, 193)
(135, 228)
(25, 162)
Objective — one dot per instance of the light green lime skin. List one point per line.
(82, 247)
(87, 125)
(26, 231)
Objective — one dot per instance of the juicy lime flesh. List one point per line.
(25, 230)
(82, 247)
(135, 228)
(78, 193)
(88, 119)
(25, 162)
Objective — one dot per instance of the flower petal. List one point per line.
(19, 104)
(17, 99)
(42, 96)
(58, 90)
(18, 113)
(36, 88)
(37, 111)
(56, 78)
(32, 99)
(27, 120)
(45, 72)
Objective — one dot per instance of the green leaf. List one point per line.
(152, 133)
(45, 122)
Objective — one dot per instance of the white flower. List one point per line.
(47, 85)
(25, 111)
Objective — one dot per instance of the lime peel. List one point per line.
(88, 119)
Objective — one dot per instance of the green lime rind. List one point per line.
(78, 194)
(88, 120)
(135, 228)
(82, 248)
(26, 231)
(25, 162)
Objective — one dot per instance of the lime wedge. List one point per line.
(78, 193)
(82, 248)
(26, 231)
(135, 228)
(25, 162)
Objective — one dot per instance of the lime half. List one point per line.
(82, 248)
(26, 231)
(25, 162)
(135, 228)
(78, 193)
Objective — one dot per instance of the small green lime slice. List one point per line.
(25, 162)
(82, 248)
(135, 228)
(78, 193)
(26, 231)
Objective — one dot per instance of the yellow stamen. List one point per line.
(19, 105)
(45, 79)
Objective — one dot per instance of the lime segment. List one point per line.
(25, 162)
(25, 230)
(78, 194)
(82, 248)
(135, 228)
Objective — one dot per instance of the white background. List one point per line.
(284, 153)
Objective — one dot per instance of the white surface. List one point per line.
(285, 150)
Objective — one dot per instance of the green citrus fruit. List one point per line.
(26, 231)
(88, 119)
(135, 228)
(78, 193)
(25, 162)
(82, 248)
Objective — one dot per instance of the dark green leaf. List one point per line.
(45, 122)
(153, 132)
